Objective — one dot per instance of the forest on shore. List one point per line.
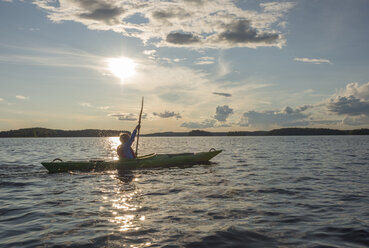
(45, 132)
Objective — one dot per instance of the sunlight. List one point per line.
(124, 211)
(114, 143)
(122, 67)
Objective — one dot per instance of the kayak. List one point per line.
(143, 162)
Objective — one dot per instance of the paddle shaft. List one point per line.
(139, 123)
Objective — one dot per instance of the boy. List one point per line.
(125, 150)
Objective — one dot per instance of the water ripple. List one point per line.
(261, 192)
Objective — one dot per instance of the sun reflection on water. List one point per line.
(124, 209)
(122, 199)
(114, 143)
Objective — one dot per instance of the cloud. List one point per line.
(89, 105)
(20, 97)
(150, 52)
(1, 99)
(168, 114)
(353, 101)
(240, 32)
(289, 110)
(277, 7)
(205, 61)
(104, 13)
(174, 84)
(222, 113)
(285, 117)
(51, 56)
(170, 60)
(189, 23)
(125, 117)
(164, 15)
(356, 90)
(222, 94)
(182, 39)
(356, 120)
(29, 29)
(196, 2)
(95, 10)
(103, 107)
(282, 24)
(313, 61)
(86, 104)
(204, 124)
(351, 106)
(325, 122)
(224, 68)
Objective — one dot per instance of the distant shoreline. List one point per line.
(45, 132)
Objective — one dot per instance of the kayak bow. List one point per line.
(143, 162)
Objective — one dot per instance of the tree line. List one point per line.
(45, 132)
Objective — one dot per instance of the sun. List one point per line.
(122, 67)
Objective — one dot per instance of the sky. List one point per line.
(216, 65)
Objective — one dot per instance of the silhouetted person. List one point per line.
(125, 150)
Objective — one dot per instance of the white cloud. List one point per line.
(282, 24)
(89, 105)
(1, 99)
(276, 7)
(224, 68)
(171, 84)
(205, 61)
(188, 90)
(103, 107)
(313, 61)
(20, 97)
(86, 104)
(51, 56)
(168, 114)
(150, 52)
(205, 24)
(358, 91)
(175, 60)
(125, 116)
(29, 29)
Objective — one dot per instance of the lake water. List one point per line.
(305, 191)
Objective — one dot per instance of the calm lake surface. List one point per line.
(305, 191)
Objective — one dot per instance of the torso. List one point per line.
(120, 151)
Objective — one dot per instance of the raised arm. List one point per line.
(130, 141)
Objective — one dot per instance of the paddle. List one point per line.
(139, 123)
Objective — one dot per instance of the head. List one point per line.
(124, 137)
